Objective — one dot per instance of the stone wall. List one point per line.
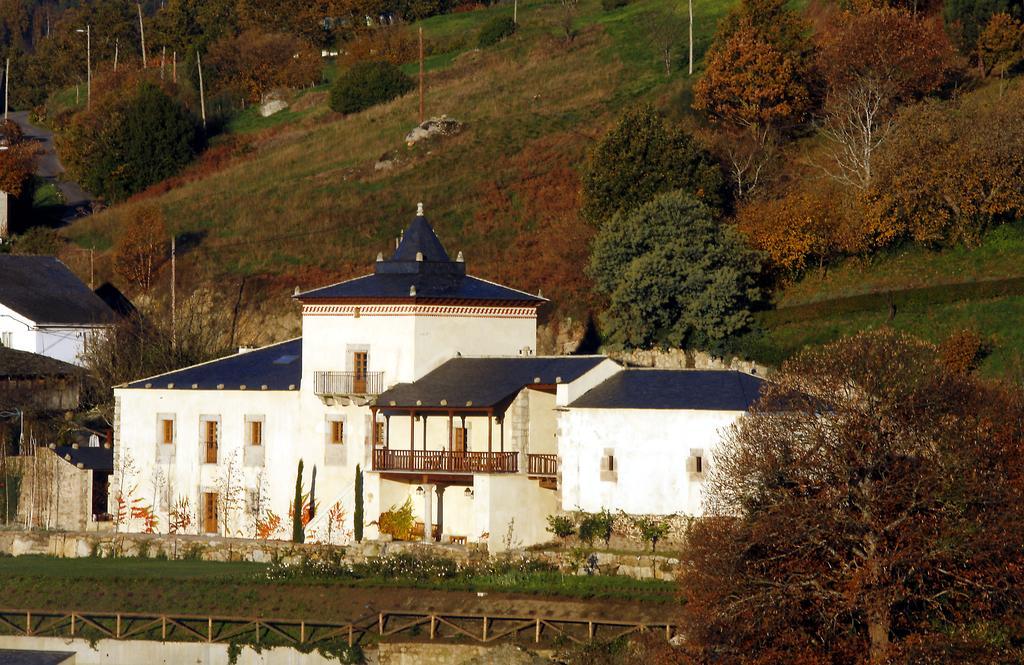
(53, 494)
(684, 359)
(209, 548)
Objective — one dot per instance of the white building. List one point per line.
(425, 377)
(46, 309)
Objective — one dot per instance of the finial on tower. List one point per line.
(419, 209)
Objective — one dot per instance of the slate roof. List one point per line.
(278, 367)
(435, 276)
(21, 364)
(25, 657)
(685, 389)
(99, 458)
(44, 290)
(485, 382)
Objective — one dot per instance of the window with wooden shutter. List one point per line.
(210, 430)
(459, 443)
(255, 432)
(210, 512)
(360, 362)
(337, 432)
(167, 431)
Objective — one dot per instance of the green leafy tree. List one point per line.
(642, 157)
(127, 142)
(357, 514)
(675, 276)
(562, 526)
(298, 531)
(597, 526)
(367, 84)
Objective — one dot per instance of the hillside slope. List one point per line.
(301, 203)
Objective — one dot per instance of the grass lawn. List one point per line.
(198, 587)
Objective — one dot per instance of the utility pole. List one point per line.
(7, 86)
(117, 47)
(202, 97)
(163, 58)
(174, 66)
(515, 12)
(92, 268)
(174, 296)
(691, 37)
(88, 63)
(421, 75)
(142, 34)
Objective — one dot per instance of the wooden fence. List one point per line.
(395, 626)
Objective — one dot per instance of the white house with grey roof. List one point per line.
(46, 309)
(426, 378)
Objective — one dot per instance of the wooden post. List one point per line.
(590, 630)
(202, 95)
(424, 417)
(421, 75)
(28, 624)
(380, 623)
(433, 626)
(117, 626)
(412, 433)
(163, 627)
(7, 86)
(485, 629)
(536, 633)
(490, 417)
(302, 632)
(350, 636)
(209, 629)
(117, 50)
(691, 37)
(142, 34)
(72, 624)
(451, 430)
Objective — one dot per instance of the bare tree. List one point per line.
(857, 122)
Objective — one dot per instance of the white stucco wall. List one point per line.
(651, 448)
(62, 343)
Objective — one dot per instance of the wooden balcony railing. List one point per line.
(542, 465)
(348, 383)
(442, 461)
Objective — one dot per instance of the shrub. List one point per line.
(495, 30)
(387, 43)
(38, 240)
(610, 5)
(561, 525)
(651, 528)
(397, 522)
(595, 526)
(131, 138)
(367, 84)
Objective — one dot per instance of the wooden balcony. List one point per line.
(542, 465)
(442, 461)
(348, 383)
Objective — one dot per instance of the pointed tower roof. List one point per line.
(420, 240)
(420, 270)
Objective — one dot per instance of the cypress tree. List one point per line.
(312, 495)
(298, 534)
(357, 515)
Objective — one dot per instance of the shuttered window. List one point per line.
(255, 432)
(210, 512)
(337, 432)
(210, 440)
(167, 431)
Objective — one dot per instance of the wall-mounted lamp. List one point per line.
(419, 491)
(469, 493)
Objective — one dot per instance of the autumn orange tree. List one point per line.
(17, 159)
(869, 509)
(757, 83)
(952, 171)
(1001, 45)
(255, 62)
(872, 60)
(142, 247)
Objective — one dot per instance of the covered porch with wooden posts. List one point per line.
(443, 457)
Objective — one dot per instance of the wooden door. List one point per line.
(459, 447)
(211, 441)
(359, 364)
(210, 512)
